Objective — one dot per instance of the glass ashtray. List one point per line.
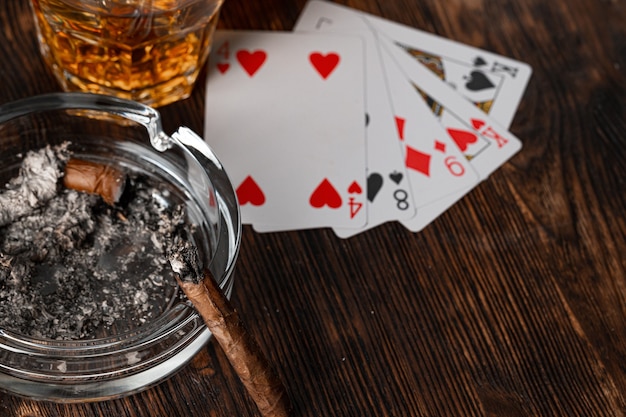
(128, 355)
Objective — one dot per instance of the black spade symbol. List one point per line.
(374, 184)
(478, 81)
(396, 177)
(479, 62)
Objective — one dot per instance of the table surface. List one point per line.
(512, 303)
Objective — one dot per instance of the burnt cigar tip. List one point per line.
(184, 260)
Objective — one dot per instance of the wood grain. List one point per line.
(512, 303)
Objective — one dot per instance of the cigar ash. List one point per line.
(74, 267)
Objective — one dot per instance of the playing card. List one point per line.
(284, 112)
(436, 165)
(389, 195)
(483, 141)
(492, 82)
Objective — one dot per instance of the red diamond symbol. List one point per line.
(418, 161)
(440, 146)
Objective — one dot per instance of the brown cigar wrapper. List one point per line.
(245, 356)
(94, 178)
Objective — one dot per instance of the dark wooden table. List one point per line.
(513, 303)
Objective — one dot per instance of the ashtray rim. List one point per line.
(136, 377)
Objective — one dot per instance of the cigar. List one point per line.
(253, 368)
(95, 178)
(242, 351)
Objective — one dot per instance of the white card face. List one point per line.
(389, 194)
(492, 82)
(484, 141)
(436, 166)
(284, 113)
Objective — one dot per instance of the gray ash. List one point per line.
(35, 184)
(72, 267)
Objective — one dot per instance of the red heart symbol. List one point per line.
(250, 192)
(462, 138)
(355, 188)
(223, 67)
(251, 61)
(477, 123)
(324, 64)
(325, 194)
